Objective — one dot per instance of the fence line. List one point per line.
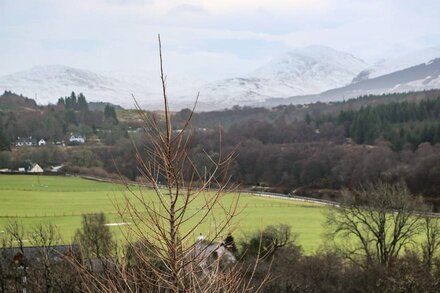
(270, 195)
(249, 192)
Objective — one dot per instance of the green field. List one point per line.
(62, 201)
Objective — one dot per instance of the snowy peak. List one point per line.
(305, 71)
(310, 61)
(313, 62)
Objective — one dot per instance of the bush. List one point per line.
(265, 243)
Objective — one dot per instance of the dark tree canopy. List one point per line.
(73, 102)
(110, 114)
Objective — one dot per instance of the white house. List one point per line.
(76, 138)
(25, 141)
(36, 169)
(42, 142)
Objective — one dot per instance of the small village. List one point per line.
(30, 141)
(35, 168)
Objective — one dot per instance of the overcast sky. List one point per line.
(205, 39)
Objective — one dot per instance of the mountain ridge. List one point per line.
(299, 76)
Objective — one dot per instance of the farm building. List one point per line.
(56, 169)
(209, 253)
(27, 256)
(42, 142)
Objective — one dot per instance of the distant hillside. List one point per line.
(291, 113)
(12, 101)
(100, 106)
(387, 66)
(421, 77)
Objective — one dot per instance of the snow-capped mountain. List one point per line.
(50, 82)
(305, 75)
(415, 78)
(309, 70)
(387, 66)
(424, 76)
(312, 69)
(305, 71)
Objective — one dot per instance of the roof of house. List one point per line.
(56, 168)
(207, 253)
(34, 253)
(36, 169)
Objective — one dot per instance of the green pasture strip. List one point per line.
(62, 201)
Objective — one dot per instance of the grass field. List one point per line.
(62, 201)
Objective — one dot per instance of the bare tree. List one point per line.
(432, 242)
(95, 237)
(5, 243)
(376, 222)
(45, 237)
(186, 201)
(17, 233)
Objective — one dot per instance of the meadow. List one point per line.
(62, 201)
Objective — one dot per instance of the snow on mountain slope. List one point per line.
(395, 64)
(309, 70)
(313, 69)
(305, 71)
(424, 76)
(53, 81)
